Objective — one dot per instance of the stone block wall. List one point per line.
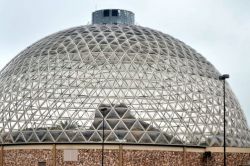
(233, 159)
(90, 157)
(27, 157)
(152, 158)
(194, 159)
(112, 157)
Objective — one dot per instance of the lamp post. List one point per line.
(103, 110)
(223, 78)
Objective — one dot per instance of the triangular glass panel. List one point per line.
(167, 136)
(176, 141)
(129, 123)
(128, 115)
(112, 123)
(20, 138)
(87, 134)
(33, 138)
(130, 138)
(55, 134)
(70, 134)
(138, 135)
(47, 138)
(108, 49)
(96, 123)
(121, 126)
(8, 138)
(111, 138)
(106, 133)
(106, 126)
(144, 124)
(145, 139)
(63, 138)
(98, 114)
(120, 134)
(153, 135)
(11, 135)
(112, 115)
(161, 140)
(27, 134)
(151, 128)
(95, 137)
(137, 127)
(78, 138)
(121, 111)
(119, 50)
(96, 49)
(40, 133)
(103, 42)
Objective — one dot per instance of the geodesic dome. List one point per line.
(148, 87)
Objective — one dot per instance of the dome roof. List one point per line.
(149, 88)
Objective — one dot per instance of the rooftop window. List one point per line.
(115, 13)
(105, 13)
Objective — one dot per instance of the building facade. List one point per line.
(120, 84)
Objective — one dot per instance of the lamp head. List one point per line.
(224, 76)
(103, 109)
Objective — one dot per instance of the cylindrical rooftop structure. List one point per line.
(113, 16)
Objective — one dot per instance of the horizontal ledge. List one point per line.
(228, 150)
(94, 143)
(143, 147)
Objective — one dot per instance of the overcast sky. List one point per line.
(218, 29)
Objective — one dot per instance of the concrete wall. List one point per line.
(115, 155)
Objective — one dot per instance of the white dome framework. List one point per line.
(154, 88)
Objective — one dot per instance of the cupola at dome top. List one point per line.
(113, 16)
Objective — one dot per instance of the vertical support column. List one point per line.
(54, 154)
(184, 156)
(120, 155)
(1, 159)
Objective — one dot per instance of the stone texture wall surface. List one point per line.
(92, 157)
(194, 159)
(233, 159)
(27, 157)
(151, 158)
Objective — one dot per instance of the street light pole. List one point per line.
(103, 110)
(223, 78)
